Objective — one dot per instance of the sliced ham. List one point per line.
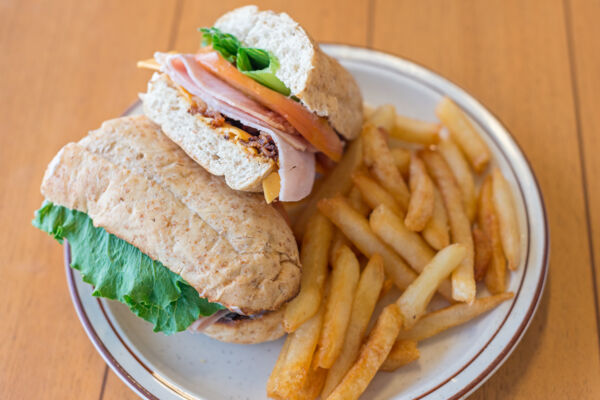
(185, 71)
(204, 322)
(295, 155)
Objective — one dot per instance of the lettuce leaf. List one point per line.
(258, 64)
(261, 66)
(120, 271)
(224, 43)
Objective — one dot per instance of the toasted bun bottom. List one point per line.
(248, 331)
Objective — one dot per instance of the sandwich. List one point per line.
(259, 103)
(149, 227)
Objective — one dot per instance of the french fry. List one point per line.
(463, 132)
(390, 228)
(495, 277)
(415, 131)
(337, 242)
(313, 384)
(401, 159)
(463, 281)
(356, 201)
(292, 367)
(344, 279)
(438, 321)
(313, 256)
(388, 284)
(403, 352)
(420, 205)
(372, 355)
(414, 300)
(368, 110)
(367, 293)
(357, 229)
(483, 253)
(507, 217)
(373, 194)
(462, 173)
(436, 230)
(408, 244)
(379, 159)
(384, 117)
(337, 182)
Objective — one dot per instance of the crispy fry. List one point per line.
(408, 244)
(388, 284)
(495, 278)
(367, 292)
(344, 279)
(313, 256)
(462, 173)
(337, 242)
(414, 300)
(403, 352)
(420, 206)
(463, 281)
(337, 182)
(357, 229)
(401, 159)
(313, 384)
(291, 370)
(507, 218)
(438, 321)
(368, 110)
(374, 194)
(372, 355)
(464, 133)
(436, 230)
(356, 201)
(415, 131)
(379, 159)
(483, 252)
(384, 117)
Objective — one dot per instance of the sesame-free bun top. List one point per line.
(318, 80)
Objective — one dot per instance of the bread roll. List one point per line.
(138, 185)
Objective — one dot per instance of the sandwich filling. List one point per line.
(273, 136)
(236, 85)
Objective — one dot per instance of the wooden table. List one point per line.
(67, 65)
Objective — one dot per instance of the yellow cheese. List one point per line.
(187, 95)
(271, 187)
(149, 64)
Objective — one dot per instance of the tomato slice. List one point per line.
(314, 129)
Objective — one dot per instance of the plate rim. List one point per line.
(469, 386)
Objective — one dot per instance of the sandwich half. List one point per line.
(257, 104)
(151, 228)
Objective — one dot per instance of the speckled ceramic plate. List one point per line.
(452, 365)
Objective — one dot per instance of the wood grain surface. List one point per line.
(68, 65)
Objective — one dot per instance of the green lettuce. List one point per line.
(120, 271)
(258, 64)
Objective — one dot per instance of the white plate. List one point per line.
(452, 365)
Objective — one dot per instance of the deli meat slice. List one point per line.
(296, 155)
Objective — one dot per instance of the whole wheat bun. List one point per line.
(265, 328)
(167, 106)
(138, 185)
(318, 80)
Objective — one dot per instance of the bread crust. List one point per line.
(318, 80)
(138, 185)
(265, 328)
(207, 145)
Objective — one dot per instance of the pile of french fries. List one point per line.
(402, 209)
